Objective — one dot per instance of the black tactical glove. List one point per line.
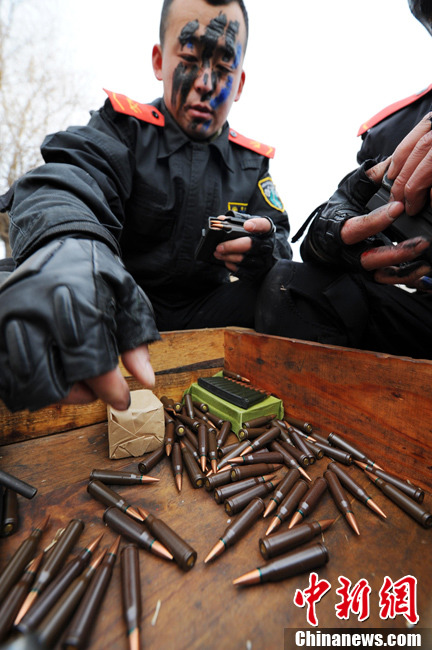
(259, 258)
(65, 314)
(323, 242)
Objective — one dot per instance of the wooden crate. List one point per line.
(379, 402)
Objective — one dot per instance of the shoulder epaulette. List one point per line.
(144, 112)
(389, 110)
(263, 149)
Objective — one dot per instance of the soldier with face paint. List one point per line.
(104, 234)
(347, 293)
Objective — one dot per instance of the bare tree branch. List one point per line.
(38, 93)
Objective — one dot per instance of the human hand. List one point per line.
(411, 168)
(393, 264)
(66, 313)
(233, 252)
(111, 386)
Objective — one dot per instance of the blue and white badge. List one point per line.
(268, 190)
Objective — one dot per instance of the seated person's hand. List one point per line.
(392, 264)
(66, 314)
(410, 169)
(249, 255)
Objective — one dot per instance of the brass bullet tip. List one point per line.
(203, 463)
(248, 450)
(304, 473)
(31, 597)
(250, 578)
(295, 520)
(98, 559)
(326, 523)
(276, 522)
(178, 482)
(149, 479)
(143, 513)
(213, 466)
(133, 512)
(115, 546)
(373, 506)
(270, 507)
(158, 549)
(93, 545)
(44, 523)
(352, 522)
(168, 449)
(217, 549)
(134, 639)
(360, 464)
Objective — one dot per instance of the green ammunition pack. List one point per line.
(235, 414)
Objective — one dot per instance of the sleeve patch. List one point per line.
(268, 190)
(144, 112)
(263, 149)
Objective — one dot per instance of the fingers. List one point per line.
(411, 167)
(424, 284)
(112, 387)
(385, 256)
(357, 229)
(415, 178)
(258, 225)
(400, 275)
(408, 144)
(79, 394)
(137, 362)
(232, 251)
(376, 173)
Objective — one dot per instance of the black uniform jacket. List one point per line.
(145, 190)
(380, 135)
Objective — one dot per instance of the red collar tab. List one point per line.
(379, 117)
(258, 147)
(144, 112)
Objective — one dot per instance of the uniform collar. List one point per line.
(174, 137)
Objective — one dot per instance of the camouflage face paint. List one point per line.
(188, 32)
(224, 93)
(211, 37)
(183, 80)
(230, 38)
(185, 75)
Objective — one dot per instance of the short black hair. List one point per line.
(167, 5)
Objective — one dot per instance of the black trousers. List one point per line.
(232, 303)
(314, 303)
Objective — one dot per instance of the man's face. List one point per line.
(201, 64)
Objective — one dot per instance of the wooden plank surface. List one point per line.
(379, 402)
(201, 608)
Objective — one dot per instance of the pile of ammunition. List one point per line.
(43, 596)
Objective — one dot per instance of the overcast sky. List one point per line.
(315, 70)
